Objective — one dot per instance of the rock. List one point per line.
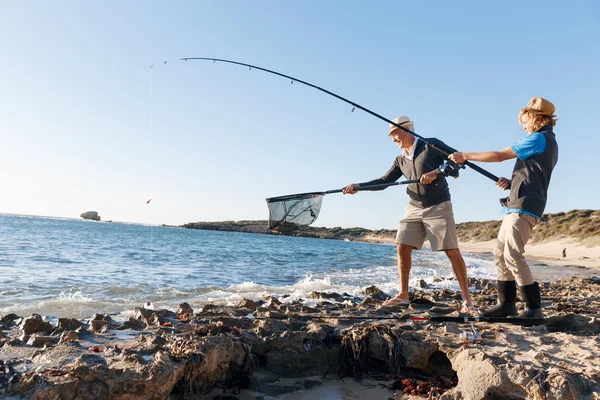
(8, 318)
(249, 304)
(375, 293)
(422, 284)
(271, 302)
(97, 324)
(35, 324)
(68, 324)
(91, 215)
(134, 324)
(185, 308)
(39, 340)
(68, 336)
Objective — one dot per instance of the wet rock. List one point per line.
(249, 304)
(40, 341)
(68, 324)
(156, 318)
(290, 362)
(134, 324)
(69, 336)
(375, 293)
(272, 302)
(324, 295)
(185, 308)
(98, 324)
(9, 318)
(422, 284)
(35, 324)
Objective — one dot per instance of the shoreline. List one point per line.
(298, 352)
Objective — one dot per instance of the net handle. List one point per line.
(381, 185)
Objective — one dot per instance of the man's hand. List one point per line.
(429, 177)
(503, 183)
(458, 157)
(350, 189)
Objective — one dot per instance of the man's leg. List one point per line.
(460, 271)
(441, 231)
(404, 265)
(411, 235)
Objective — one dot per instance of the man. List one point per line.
(536, 155)
(429, 212)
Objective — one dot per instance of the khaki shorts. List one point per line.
(435, 222)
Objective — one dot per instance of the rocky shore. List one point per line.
(270, 348)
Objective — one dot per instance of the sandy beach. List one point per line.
(577, 254)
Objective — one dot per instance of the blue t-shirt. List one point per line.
(529, 146)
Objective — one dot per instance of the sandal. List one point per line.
(396, 302)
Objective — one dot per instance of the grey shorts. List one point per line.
(435, 223)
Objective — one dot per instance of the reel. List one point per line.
(448, 167)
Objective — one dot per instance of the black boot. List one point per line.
(507, 297)
(533, 301)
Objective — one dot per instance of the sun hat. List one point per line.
(540, 106)
(402, 121)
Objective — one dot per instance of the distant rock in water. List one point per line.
(93, 215)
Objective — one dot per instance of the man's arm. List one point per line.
(393, 174)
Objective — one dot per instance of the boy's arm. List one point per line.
(484, 156)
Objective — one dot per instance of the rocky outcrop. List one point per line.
(576, 224)
(91, 215)
(284, 344)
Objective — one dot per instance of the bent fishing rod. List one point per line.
(353, 104)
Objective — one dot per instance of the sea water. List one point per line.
(66, 267)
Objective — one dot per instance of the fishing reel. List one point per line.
(448, 167)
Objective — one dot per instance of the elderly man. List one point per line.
(428, 214)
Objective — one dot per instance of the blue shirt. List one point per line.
(529, 146)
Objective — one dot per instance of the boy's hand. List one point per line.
(503, 183)
(429, 177)
(458, 157)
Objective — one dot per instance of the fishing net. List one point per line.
(294, 210)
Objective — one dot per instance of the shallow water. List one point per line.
(65, 267)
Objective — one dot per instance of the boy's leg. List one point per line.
(518, 230)
(504, 273)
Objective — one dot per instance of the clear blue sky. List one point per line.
(82, 128)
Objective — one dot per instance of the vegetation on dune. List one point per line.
(583, 225)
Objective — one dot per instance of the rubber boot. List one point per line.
(507, 298)
(533, 301)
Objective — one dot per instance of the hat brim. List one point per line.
(533, 110)
(403, 124)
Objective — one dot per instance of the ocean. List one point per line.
(73, 268)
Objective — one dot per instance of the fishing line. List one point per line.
(353, 104)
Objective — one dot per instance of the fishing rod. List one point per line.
(431, 318)
(312, 194)
(353, 104)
